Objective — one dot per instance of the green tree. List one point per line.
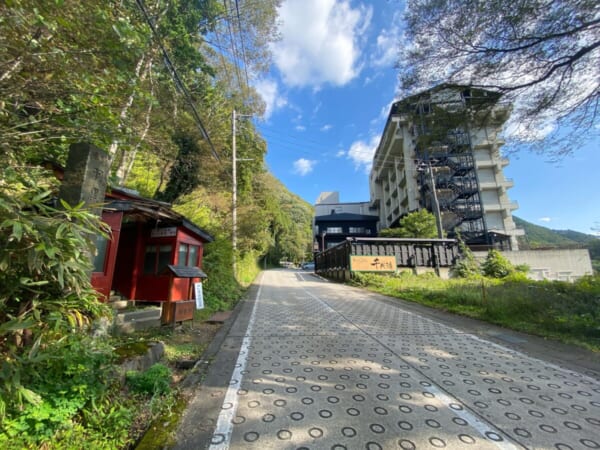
(544, 56)
(184, 174)
(496, 265)
(417, 224)
(66, 67)
(467, 266)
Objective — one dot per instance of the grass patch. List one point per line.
(569, 312)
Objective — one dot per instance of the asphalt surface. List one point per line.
(308, 364)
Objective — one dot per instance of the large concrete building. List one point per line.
(335, 221)
(440, 150)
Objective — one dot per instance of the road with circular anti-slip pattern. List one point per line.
(324, 366)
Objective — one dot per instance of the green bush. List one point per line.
(46, 304)
(467, 266)
(57, 381)
(496, 265)
(154, 381)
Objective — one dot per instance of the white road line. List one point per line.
(222, 434)
(489, 433)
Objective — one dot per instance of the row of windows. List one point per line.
(351, 230)
(158, 257)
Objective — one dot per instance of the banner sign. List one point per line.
(199, 295)
(163, 232)
(372, 263)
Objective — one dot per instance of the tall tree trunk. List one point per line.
(128, 157)
(114, 146)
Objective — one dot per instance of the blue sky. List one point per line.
(328, 96)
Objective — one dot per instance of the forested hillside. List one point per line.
(541, 237)
(537, 236)
(154, 84)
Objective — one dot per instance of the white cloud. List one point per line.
(361, 153)
(326, 127)
(320, 41)
(300, 128)
(340, 153)
(545, 219)
(387, 52)
(269, 91)
(303, 166)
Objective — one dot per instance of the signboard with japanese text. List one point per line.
(163, 232)
(375, 263)
(183, 310)
(199, 295)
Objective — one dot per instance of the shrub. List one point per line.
(56, 382)
(154, 381)
(467, 266)
(45, 293)
(496, 265)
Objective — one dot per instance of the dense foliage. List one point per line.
(417, 224)
(142, 81)
(154, 381)
(49, 368)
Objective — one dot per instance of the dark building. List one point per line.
(334, 228)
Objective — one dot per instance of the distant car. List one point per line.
(308, 266)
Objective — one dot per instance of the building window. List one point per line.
(100, 257)
(157, 258)
(357, 230)
(334, 230)
(188, 255)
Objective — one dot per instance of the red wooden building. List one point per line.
(147, 237)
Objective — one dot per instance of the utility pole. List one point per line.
(234, 160)
(234, 193)
(436, 203)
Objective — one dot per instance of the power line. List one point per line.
(177, 79)
(237, 7)
(234, 50)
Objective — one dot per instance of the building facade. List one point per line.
(335, 221)
(440, 150)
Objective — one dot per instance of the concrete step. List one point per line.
(138, 315)
(119, 304)
(137, 325)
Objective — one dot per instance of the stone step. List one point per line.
(137, 325)
(120, 304)
(138, 315)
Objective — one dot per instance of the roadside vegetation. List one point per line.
(501, 294)
(61, 381)
(103, 72)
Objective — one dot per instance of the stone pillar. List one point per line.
(86, 176)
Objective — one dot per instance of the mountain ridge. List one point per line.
(537, 236)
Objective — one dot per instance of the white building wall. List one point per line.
(559, 264)
(393, 180)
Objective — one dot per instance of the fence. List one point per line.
(386, 254)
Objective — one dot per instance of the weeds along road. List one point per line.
(310, 364)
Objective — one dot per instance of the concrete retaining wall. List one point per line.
(564, 265)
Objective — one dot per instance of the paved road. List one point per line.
(316, 365)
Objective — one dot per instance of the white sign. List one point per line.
(199, 295)
(163, 232)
